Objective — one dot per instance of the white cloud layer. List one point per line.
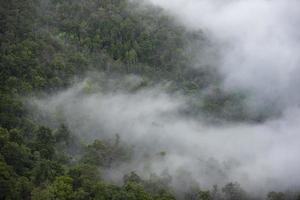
(259, 42)
(262, 157)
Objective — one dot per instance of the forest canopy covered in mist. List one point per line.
(121, 99)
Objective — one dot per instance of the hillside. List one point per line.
(48, 46)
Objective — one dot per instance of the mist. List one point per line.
(258, 42)
(258, 46)
(261, 157)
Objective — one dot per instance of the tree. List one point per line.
(23, 188)
(204, 195)
(15, 136)
(17, 156)
(46, 171)
(233, 191)
(7, 180)
(61, 188)
(131, 57)
(44, 142)
(62, 134)
(136, 191)
(84, 175)
(132, 177)
(276, 196)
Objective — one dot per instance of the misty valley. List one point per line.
(149, 100)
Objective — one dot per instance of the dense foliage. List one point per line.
(44, 46)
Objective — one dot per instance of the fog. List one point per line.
(259, 45)
(260, 157)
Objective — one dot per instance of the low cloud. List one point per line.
(258, 42)
(261, 157)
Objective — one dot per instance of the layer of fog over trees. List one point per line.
(259, 44)
(255, 48)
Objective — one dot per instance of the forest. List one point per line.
(47, 46)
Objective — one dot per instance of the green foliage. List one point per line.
(17, 156)
(136, 191)
(7, 180)
(62, 135)
(276, 196)
(23, 188)
(132, 178)
(45, 44)
(233, 191)
(105, 154)
(84, 176)
(61, 188)
(46, 171)
(44, 143)
(204, 195)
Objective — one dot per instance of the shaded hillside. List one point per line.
(47, 45)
